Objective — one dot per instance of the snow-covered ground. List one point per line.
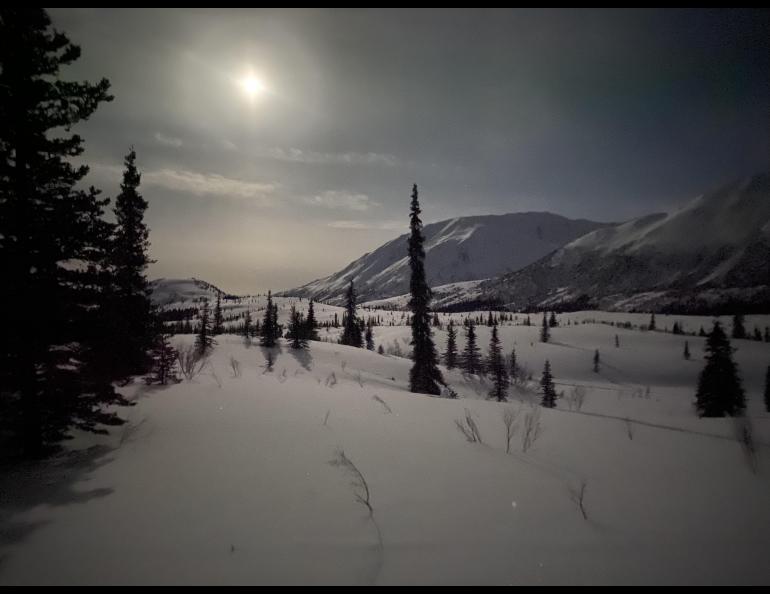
(226, 479)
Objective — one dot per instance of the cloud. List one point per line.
(168, 140)
(183, 180)
(343, 200)
(295, 155)
(360, 225)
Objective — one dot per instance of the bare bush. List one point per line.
(326, 417)
(744, 434)
(468, 427)
(358, 482)
(269, 362)
(532, 428)
(509, 420)
(577, 494)
(629, 428)
(191, 362)
(383, 403)
(235, 367)
(331, 380)
(576, 398)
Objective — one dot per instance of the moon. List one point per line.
(252, 86)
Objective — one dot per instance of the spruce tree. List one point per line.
(297, 329)
(311, 325)
(596, 361)
(547, 387)
(739, 329)
(496, 368)
(617, 341)
(545, 333)
(553, 322)
(268, 331)
(719, 390)
(450, 356)
(247, 326)
(163, 357)
(767, 389)
(471, 360)
(369, 335)
(424, 377)
(50, 372)
(513, 365)
(130, 325)
(652, 325)
(204, 340)
(351, 331)
(217, 325)
(686, 353)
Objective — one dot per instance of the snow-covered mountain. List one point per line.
(457, 250)
(172, 290)
(714, 251)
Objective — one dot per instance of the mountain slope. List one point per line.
(461, 249)
(171, 290)
(716, 249)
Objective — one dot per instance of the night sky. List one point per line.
(278, 145)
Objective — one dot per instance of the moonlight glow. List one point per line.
(252, 86)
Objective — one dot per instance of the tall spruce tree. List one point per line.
(297, 329)
(54, 242)
(450, 356)
(351, 331)
(545, 332)
(217, 325)
(204, 340)
(471, 360)
(425, 376)
(246, 332)
(311, 325)
(130, 323)
(767, 389)
(686, 353)
(652, 325)
(369, 335)
(719, 390)
(513, 369)
(496, 368)
(268, 331)
(739, 327)
(596, 361)
(548, 397)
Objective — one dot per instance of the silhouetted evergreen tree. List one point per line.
(739, 329)
(767, 389)
(52, 315)
(686, 353)
(652, 325)
(548, 398)
(450, 356)
(369, 336)
(217, 325)
(513, 369)
(496, 368)
(553, 322)
(247, 326)
(545, 333)
(163, 357)
(297, 330)
(269, 330)
(311, 326)
(719, 390)
(471, 360)
(596, 361)
(204, 339)
(617, 341)
(351, 330)
(425, 376)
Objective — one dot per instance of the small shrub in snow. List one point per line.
(383, 403)
(331, 380)
(577, 494)
(509, 420)
(576, 398)
(191, 361)
(235, 367)
(532, 429)
(468, 427)
(629, 428)
(744, 434)
(358, 482)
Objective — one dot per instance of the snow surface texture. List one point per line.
(713, 250)
(225, 479)
(461, 249)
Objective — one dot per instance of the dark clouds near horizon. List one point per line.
(603, 114)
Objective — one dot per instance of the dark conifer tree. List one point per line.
(450, 356)
(767, 389)
(204, 341)
(424, 377)
(268, 331)
(369, 335)
(757, 334)
(496, 368)
(513, 369)
(739, 329)
(547, 387)
(129, 327)
(719, 390)
(553, 322)
(50, 378)
(686, 353)
(247, 326)
(652, 325)
(297, 330)
(702, 332)
(471, 360)
(351, 331)
(311, 326)
(596, 361)
(617, 341)
(163, 357)
(545, 333)
(217, 324)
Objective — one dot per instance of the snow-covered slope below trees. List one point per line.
(225, 479)
(461, 249)
(714, 250)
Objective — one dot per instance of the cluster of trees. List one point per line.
(75, 303)
(355, 331)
